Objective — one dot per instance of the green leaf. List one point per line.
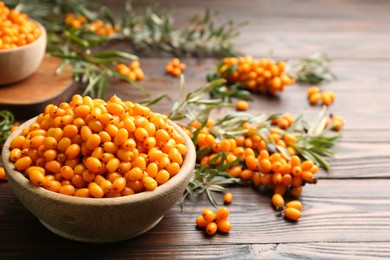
(115, 54)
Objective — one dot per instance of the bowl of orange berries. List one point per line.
(96, 171)
(22, 45)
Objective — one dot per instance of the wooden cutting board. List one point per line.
(29, 97)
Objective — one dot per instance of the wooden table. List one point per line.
(346, 214)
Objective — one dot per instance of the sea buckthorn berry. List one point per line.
(296, 171)
(200, 222)
(211, 228)
(67, 189)
(296, 191)
(208, 215)
(242, 105)
(162, 177)
(93, 164)
(222, 214)
(83, 192)
(294, 204)
(312, 90)
(280, 189)
(327, 97)
(224, 226)
(23, 163)
(37, 177)
(307, 165)
(292, 213)
(149, 183)
(315, 98)
(337, 123)
(307, 176)
(95, 190)
(278, 201)
(119, 184)
(228, 198)
(15, 154)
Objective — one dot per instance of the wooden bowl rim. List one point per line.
(185, 170)
(37, 41)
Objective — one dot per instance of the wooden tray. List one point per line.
(29, 97)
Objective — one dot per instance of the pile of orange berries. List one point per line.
(101, 28)
(284, 175)
(133, 71)
(98, 26)
(263, 75)
(175, 67)
(284, 122)
(213, 222)
(315, 96)
(74, 20)
(16, 29)
(93, 148)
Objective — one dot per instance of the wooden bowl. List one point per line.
(103, 220)
(18, 63)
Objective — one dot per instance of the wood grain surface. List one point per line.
(346, 215)
(28, 97)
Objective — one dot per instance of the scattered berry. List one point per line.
(228, 198)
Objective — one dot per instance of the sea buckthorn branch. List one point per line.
(93, 69)
(153, 30)
(195, 105)
(256, 150)
(315, 141)
(313, 70)
(264, 75)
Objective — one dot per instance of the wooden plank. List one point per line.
(334, 210)
(337, 251)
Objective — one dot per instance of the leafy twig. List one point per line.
(313, 70)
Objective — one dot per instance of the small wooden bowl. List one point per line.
(102, 220)
(18, 63)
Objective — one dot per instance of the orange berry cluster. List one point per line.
(93, 148)
(274, 170)
(16, 29)
(284, 122)
(175, 67)
(263, 75)
(98, 26)
(213, 222)
(315, 96)
(101, 28)
(76, 21)
(132, 72)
